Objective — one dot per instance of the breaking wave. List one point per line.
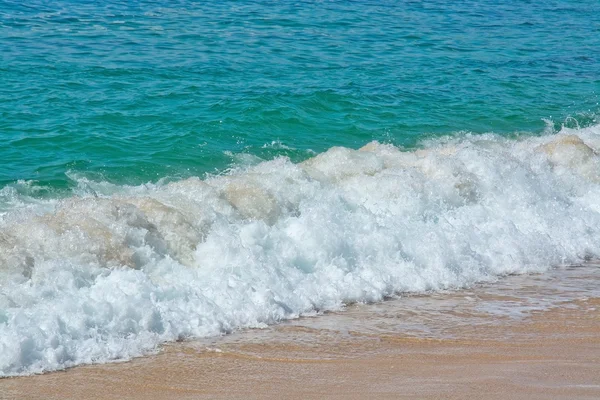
(114, 271)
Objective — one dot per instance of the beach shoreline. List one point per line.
(462, 348)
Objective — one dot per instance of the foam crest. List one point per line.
(99, 277)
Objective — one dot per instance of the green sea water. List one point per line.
(134, 92)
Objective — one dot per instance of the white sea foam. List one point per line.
(107, 276)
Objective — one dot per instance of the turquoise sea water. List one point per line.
(136, 92)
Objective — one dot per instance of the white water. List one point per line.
(110, 276)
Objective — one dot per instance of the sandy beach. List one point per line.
(532, 337)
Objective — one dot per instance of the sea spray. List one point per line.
(111, 273)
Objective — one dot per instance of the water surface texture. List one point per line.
(193, 170)
(137, 92)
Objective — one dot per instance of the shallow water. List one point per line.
(500, 312)
(452, 344)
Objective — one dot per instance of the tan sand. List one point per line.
(456, 353)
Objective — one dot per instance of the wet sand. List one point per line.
(533, 337)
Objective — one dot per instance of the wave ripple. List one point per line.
(111, 274)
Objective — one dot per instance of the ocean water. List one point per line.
(191, 169)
